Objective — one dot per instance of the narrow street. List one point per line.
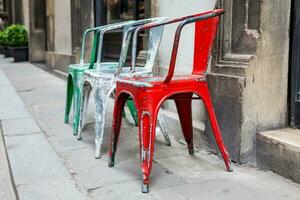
(48, 162)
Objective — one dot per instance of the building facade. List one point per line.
(249, 76)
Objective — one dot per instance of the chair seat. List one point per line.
(157, 80)
(109, 71)
(85, 66)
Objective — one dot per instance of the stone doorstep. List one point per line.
(279, 151)
(288, 137)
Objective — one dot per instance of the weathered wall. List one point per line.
(66, 21)
(268, 73)
(253, 94)
(266, 83)
(37, 31)
(249, 84)
(173, 9)
(25, 12)
(62, 27)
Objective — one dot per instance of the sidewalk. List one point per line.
(47, 161)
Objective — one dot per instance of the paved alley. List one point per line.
(48, 162)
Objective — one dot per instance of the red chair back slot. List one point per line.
(205, 32)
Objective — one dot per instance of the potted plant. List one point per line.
(1, 41)
(5, 44)
(18, 42)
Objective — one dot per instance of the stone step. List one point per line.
(279, 151)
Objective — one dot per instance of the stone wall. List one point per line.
(250, 75)
(66, 21)
(62, 27)
(25, 12)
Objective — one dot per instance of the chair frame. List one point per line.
(74, 81)
(148, 94)
(75, 77)
(102, 81)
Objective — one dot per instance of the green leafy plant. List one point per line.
(3, 38)
(15, 36)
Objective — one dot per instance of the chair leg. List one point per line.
(101, 100)
(76, 109)
(69, 98)
(123, 113)
(116, 127)
(147, 127)
(83, 108)
(163, 129)
(204, 94)
(184, 107)
(133, 111)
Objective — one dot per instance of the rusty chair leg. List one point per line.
(184, 107)
(205, 96)
(147, 128)
(116, 127)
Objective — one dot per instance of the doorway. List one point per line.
(294, 91)
(113, 11)
(37, 30)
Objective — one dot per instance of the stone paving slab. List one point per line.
(251, 187)
(11, 107)
(7, 190)
(3, 79)
(20, 126)
(38, 172)
(119, 192)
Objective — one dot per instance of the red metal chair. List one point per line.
(149, 93)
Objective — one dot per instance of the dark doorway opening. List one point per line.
(294, 71)
(37, 32)
(108, 12)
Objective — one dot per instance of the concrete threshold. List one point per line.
(279, 151)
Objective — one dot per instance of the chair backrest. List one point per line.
(205, 30)
(155, 36)
(84, 35)
(98, 41)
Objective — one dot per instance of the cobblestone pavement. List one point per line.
(47, 161)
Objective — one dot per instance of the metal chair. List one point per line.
(75, 84)
(148, 93)
(102, 81)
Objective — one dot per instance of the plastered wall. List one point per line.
(62, 27)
